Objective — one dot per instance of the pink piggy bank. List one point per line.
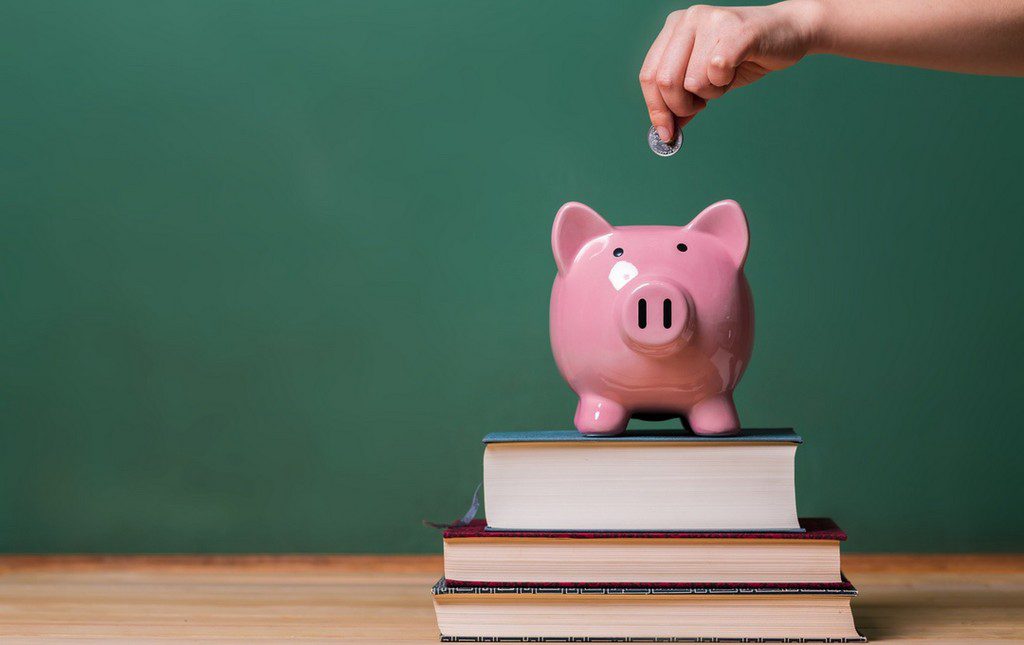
(652, 322)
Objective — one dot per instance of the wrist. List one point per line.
(808, 18)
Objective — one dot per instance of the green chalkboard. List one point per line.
(270, 270)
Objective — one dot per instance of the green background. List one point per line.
(270, 270)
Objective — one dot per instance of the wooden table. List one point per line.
(378, 599)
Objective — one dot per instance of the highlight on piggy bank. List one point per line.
(652, 322)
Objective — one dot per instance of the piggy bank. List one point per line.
(652, 322)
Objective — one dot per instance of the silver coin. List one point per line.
(661, 148)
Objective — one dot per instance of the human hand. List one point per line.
(702, 52)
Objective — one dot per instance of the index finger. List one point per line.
(661, 116)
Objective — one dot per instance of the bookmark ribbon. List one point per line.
(467, 517)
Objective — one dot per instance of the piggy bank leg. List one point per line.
(599, 416)
(714, 416)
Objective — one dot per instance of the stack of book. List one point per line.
(643, 536)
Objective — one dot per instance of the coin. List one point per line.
(661, 148)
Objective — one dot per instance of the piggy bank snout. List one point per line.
(655, 315)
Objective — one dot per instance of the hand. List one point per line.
(702, 52)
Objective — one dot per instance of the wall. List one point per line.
(270, 270)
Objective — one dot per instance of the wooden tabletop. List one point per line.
(376, 599)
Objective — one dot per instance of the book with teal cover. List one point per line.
(747, 435)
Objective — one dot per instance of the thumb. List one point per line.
(725, 58)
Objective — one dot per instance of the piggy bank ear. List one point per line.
(575, 225)
(725, 221)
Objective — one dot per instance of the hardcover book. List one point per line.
(672, 613)
(641, 481)
(476, 556)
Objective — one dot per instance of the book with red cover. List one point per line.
(814, 528)
(480, 557)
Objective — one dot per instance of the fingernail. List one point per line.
(665, 134)
(691, 84)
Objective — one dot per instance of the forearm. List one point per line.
(979, 37)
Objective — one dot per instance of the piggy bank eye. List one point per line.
(681, 247)
(618, 252)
